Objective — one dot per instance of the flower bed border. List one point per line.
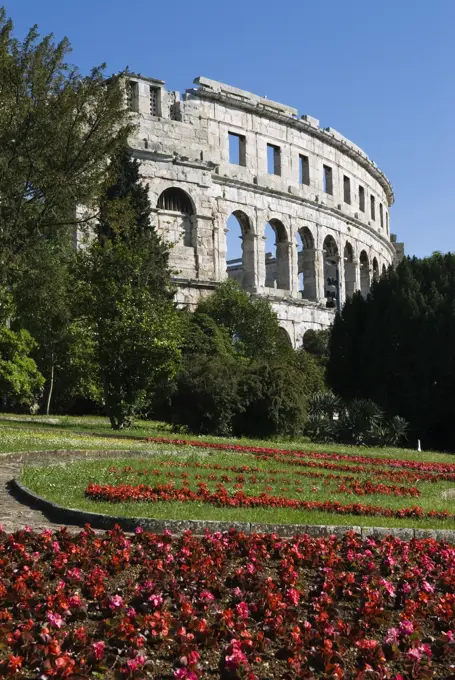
(101, 521)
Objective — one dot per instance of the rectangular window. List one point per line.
(361, 198)
(347, 189)
(328, 180)
(381, 215)
(154, 101)
(237, 149)
(132, 95)
(372, 208)
(273, 159)
(304, 170)
(387, 221)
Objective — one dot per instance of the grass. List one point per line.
(65, 483)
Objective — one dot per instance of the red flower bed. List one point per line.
(222, 498)
(347, 484)
(368, 460)
(225, 606)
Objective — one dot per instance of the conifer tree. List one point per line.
(125, 286)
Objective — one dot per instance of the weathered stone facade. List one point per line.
(326, 201)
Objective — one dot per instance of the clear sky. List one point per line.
(382, 73)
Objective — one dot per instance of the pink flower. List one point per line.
(98, 649)
(139, 530)
(75, 601)
(156, 600)
(242, 610)
(55, 619)
(392, 636)
(115, 602)
(293, 595)
(406, 627)
(427, 587)
(207, 596)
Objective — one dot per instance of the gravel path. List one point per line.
(15, 514)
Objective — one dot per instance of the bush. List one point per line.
(273, 401)
(205, 397)
(359, 422)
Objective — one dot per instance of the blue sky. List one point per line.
(382, 73)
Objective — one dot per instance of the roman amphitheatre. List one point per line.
(219, 159)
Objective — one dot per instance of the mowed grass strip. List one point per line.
(66, 484)
(34, 433)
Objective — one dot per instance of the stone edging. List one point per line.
(101, 521)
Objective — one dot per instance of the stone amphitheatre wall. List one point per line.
(206, 156)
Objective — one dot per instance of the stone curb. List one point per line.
(101, 521)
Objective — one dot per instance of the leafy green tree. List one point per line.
(20, 380)
(397, 347)
(251, 322)
(126, 294)
(57, 130)
(43, 296)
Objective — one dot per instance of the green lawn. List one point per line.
(65, 483)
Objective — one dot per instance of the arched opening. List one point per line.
(306, 263)
(286, 337)
(364, 274)
(384, 270)
(331, 271)
(375, 270)
(240, 249)
(277, 270)
(175, 200)
(349, 270)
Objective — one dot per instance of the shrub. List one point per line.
(273, 401)
(358, 422)
(205, 397)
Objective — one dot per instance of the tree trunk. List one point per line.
(51, 389)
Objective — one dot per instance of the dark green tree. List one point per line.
(127, 298)
(397, 347)
(57, 130)
(251, 322)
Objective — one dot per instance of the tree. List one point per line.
(251, 322)
(43, 296)
(397, 347)
(126, 294)
(20, 380)
(57, 130)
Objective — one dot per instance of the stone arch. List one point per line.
(375, 269)
(277, 265)
(364, 264)
(349, 269)
(306, 264)
(286, 337)
(174, 200)
(240, 267)
(331, 270)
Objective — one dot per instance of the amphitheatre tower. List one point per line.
(219, 152)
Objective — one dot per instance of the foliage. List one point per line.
(273, 400)
(251, 322)
(316, 343)
(43, 297)
(127, 299)
(397, 347)
(206, 398)
(20, 380)
(358, 422)
(57, 130)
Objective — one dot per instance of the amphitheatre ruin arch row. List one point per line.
(305, 208)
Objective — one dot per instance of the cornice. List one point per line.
(260, 107)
